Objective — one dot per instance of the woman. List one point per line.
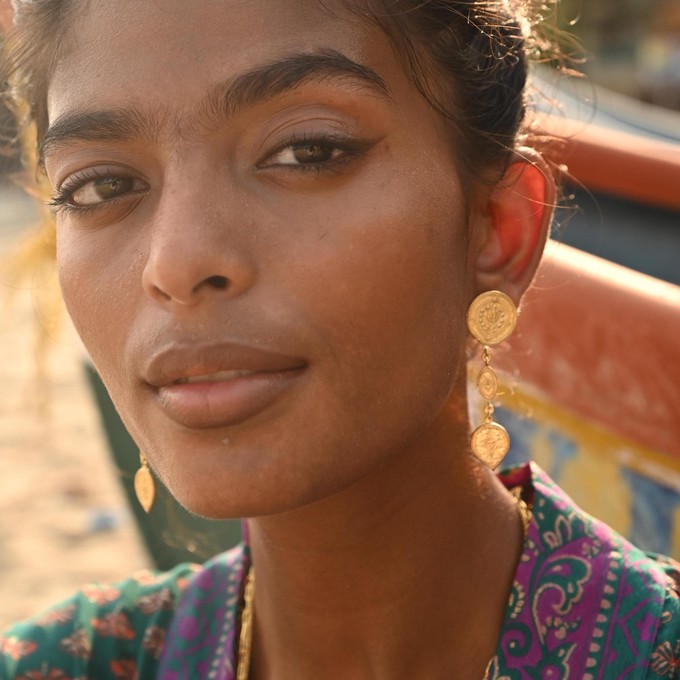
(272, 219)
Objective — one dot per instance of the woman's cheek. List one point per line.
(393, 281)
(93, 284)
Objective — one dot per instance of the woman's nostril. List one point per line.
(219, 282)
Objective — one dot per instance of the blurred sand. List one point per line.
(60, 490)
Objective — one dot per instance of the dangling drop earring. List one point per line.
(145, 487)
(491, 318)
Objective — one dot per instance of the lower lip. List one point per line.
(203, 405)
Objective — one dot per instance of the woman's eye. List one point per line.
(307, 153)
(104, 189)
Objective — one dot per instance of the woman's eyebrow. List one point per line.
(102, 125)
(223, 100)
(232, 96)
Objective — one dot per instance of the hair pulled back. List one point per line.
(469, 58)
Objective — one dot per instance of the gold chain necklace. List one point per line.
(245, 642)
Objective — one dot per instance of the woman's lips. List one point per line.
(224, 398)
(205, 386)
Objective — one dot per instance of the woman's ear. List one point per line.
(513, 227)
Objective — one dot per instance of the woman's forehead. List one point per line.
(119, 50)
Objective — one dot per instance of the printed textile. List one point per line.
(585, 605)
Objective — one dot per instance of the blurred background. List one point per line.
(65, 512)
(63, 518)
(635, 45)
(629, 53)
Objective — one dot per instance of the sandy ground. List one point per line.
(63, 519)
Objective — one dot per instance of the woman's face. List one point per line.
(262, 242)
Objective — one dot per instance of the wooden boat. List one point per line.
(593, 372)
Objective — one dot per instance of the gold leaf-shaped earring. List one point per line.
(491, 319)
(145, 487)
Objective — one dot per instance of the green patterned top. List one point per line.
(585, 605)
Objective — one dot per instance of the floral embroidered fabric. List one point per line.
(585, 605)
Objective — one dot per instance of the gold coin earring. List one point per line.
(491, 319)
(145, 487)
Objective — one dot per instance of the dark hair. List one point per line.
(469, 58)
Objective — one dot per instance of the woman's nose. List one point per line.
(194, 254)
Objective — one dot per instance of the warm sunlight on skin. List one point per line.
(272, 219)
(319, 225)
(280, 234)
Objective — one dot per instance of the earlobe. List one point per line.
(515, 226)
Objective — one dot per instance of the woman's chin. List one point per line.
(232, 494)
(235, 495)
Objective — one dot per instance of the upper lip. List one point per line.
(187, 361)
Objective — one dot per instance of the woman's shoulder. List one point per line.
(106, 631)
(589, 597)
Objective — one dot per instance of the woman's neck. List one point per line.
(405, 574)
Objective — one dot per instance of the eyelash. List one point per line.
(59, 202)
(349, 147)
